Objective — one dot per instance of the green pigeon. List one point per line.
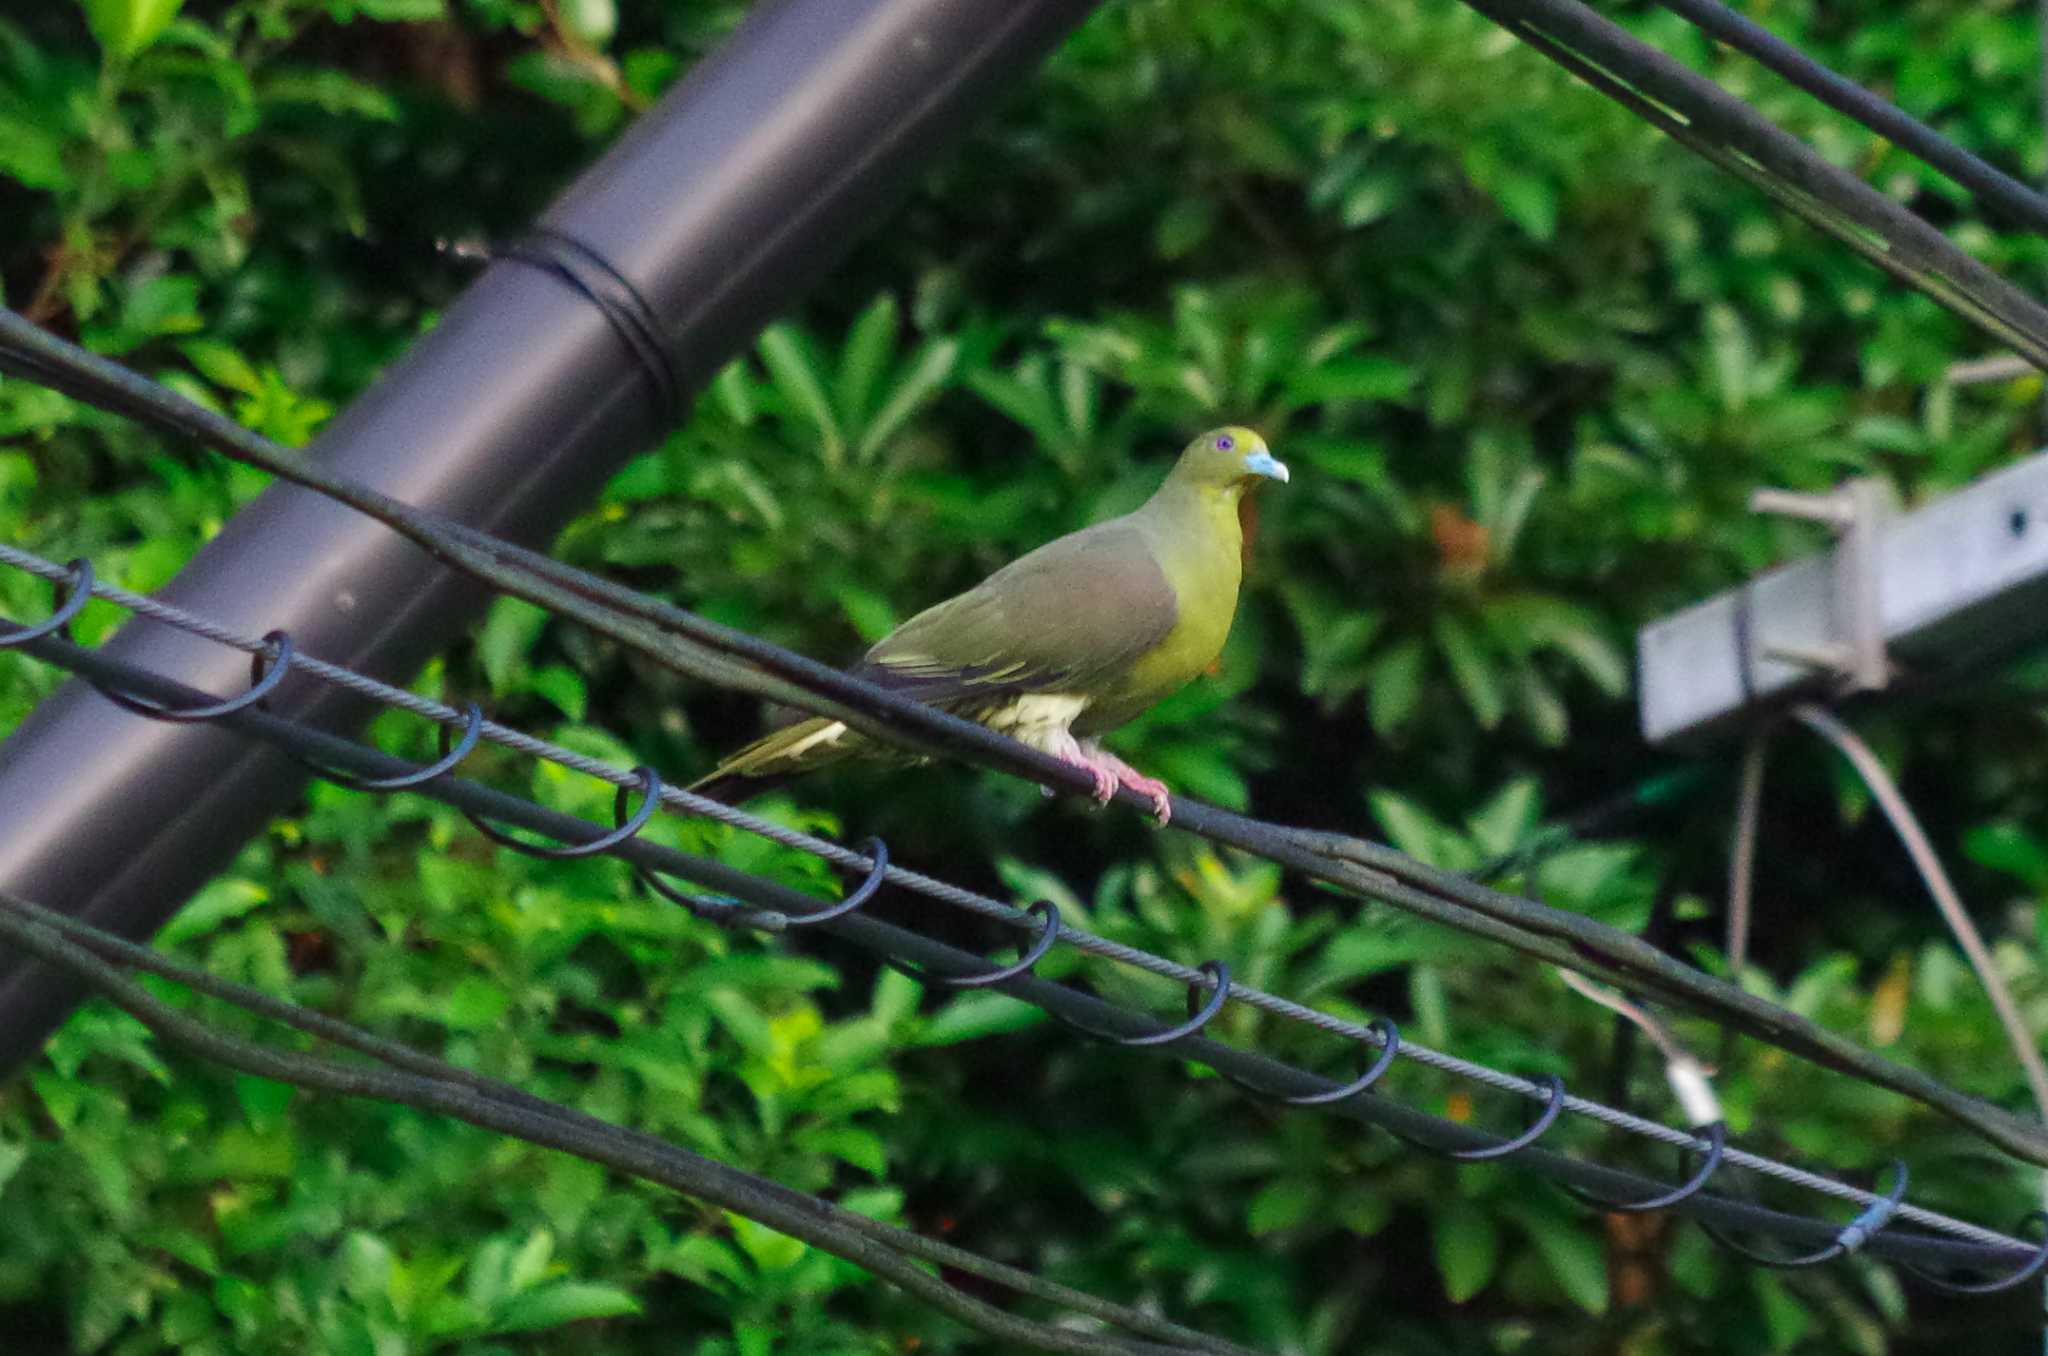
(1065, 644)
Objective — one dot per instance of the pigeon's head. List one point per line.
(1232, 458)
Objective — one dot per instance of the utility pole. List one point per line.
(715, 211)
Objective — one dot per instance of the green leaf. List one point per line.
(1528, 620)
(562, 686)
(1393, 685)
(187, 1316)
(1330, 667)
(1540, 706)
(1529, 202)
(159, 306)
(869, 611)
(1282, 1205)
(1596, 658)
(1431, 1004)
(562, 1302)
(125, 27)
(1734, 360)
(187, 1246)
(1184, 226)
(242, 1302)
(475, 1003)
(1361, 378)
(1574, 1254)
(1025, 397)
(1371, 198)
(794, 371)
(1502, 823)
(971, 1017)
(12, 1156)
(390, 11)
(1353, 459)
(1471, 669)
(701, 1259)
(896, 996)
(367, 1263)
(771, 1251)
(870, 344)
(32, 155)
(1467, 1246)
(509, 634)
(2008, 847)
(263, 1100)
(1363, 1211)
(594, 21)
(331, 92)
(487, 1281)
(419, 1294)
(1416, 832)
(849, 1144)
(1786, 1319)
(63, 1098)
(220, 364)
(528, 1267)
(924, 378)
(220, 901)
(1080, 399)
(734, 394)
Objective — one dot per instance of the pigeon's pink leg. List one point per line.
(1075, 754)
(1107, 770)
(1124, 774)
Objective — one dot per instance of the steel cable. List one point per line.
(784, 903)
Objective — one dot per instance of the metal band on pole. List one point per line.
(716, 210)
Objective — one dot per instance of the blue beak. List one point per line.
(1267, 465)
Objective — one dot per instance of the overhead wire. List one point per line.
(1898, 812)
(1749, 800)
(1558, 28)
(721, 655)
(2006, 196)
(412, 1078)
(1268, 1075)
(1700, 115)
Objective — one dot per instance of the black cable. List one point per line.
(681, 640)
(2002, 194)
(1699, 114)
(415, 1080)
(1073, 1006)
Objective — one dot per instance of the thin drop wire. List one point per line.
(1534, 1089)
(1749, 799)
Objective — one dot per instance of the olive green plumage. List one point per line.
(1065, 643)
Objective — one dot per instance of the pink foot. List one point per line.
(1105, 778)
(1151, 788)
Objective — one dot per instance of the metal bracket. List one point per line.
(1857, 511)
(1952, 585)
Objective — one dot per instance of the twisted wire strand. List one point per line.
(1996, 189)
(408, 1078)
(680, 640)
(1537, 1090)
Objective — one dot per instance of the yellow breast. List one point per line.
(1204, 570)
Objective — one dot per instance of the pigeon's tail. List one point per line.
(777, 758)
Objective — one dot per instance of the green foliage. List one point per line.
(1527, 362)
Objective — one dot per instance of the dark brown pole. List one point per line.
(719, 208)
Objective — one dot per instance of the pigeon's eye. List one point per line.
(1224, 442)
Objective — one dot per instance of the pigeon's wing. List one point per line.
(1071, 617)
